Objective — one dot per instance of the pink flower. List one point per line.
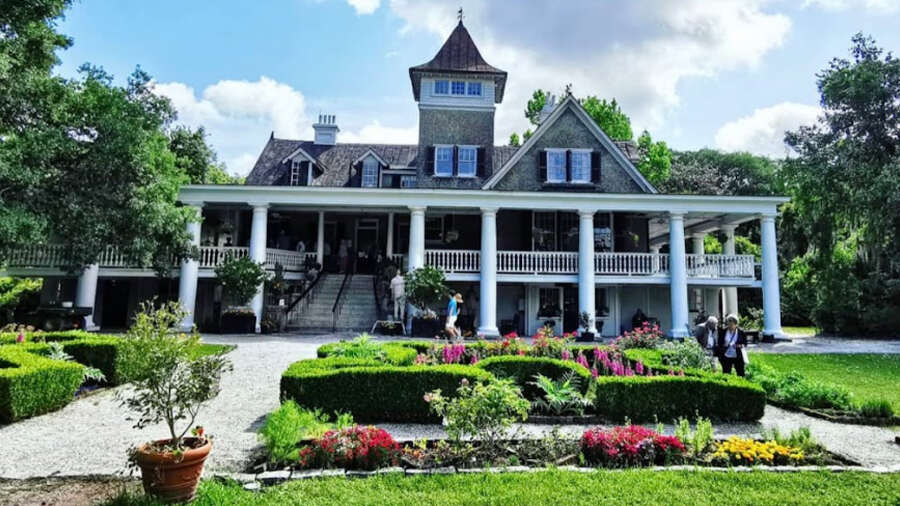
(474, 360)
(594, 372)
(671, 372)
(521, 351)
(639, 367)
(681, 372)
(21, 337)
(566, 355)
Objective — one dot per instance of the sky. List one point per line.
(725, 74)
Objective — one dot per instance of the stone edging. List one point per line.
(257, 481)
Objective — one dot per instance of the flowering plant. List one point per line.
(358, 447)
(631, 445)
(737, 450)
(645, 336)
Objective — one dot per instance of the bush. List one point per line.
(523, 369)
(240, 278)
(371, 391)
(643, 398)
(289, 424)
(425, 287)
(627, 446)
(687, 354)
(876, 409)
(559, 397)
(92, 350)
(365, 448)
(742, 451)
(794, 389)
(363, 347)
(32, 385)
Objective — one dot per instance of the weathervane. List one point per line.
(459, 15)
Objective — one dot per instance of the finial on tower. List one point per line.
(459, 14)
(569, 90)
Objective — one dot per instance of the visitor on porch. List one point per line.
(707, 334)
(452, 314)
(731, 344)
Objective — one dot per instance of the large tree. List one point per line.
(711, 172)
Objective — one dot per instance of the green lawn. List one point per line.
(867, 376)
(799, 331)
(210, 349)
(566, 487)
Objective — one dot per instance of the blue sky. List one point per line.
(729, 74)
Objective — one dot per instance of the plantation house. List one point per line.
(562, 225)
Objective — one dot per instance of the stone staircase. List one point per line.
(358, 312)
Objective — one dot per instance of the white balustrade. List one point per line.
(537, 262)
(400, 260)
(454, 260)
(289, 260)
(211, 256)
(629, 264)
(720, 266)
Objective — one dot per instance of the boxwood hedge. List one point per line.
(86, 348)
(372, 392)
(523, 369)
(396, 354)
(32, 385)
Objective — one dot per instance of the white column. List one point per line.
(586, 285)
(320, 240)
(87, 294)
(655, 260)
(698, 248)
(190, 268)
(389, 248)
(487, 311)
(258, 253)
(770, 289)
(678, 275)
(416, 237)
(731, 296)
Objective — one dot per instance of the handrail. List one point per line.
(335, 309)
(305, 292)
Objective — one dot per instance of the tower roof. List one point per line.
(459, 55)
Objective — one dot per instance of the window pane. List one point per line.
(544, 231)
(556, 166)
(459, 88)
(443, 161)
(434, 228)
(441, 87)
(568, 231)
(370, 173)
(475, 89)
(407, 181)
(466, 161)
(581, 167)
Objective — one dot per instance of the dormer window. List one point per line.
(442, 87)
(300, 173)
(370, 173)
(581, 166)
(466, 163)
(556, 166)
(443, 161)
(458, 88)
(474, 89)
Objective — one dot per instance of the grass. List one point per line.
(211, 349)
(556, 487)
(800, 331)
(869, 377)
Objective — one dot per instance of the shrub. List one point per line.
(56, 352)
(523, 369)
(285, 427)
(687, 354)
(697, 440)
(425, 287)
(645, 336)
(240, 278)
(559, 397)
(363, 347)
(91, 350)
(631, 445)
(794, 389)
(483, 410)
(371, 391)
(642, 398)
(741, 451)
(366, 448)
(876, 409)
(32, 385)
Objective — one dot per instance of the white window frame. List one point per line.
(295, 172)
(408, 181)
(460, 163)
(587, 158)
(453, 88)
(436, 86)
(437, 150)
(556, 151)
(469, 87)
(369, 163)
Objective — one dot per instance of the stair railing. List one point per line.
(339, 300)
(302, 302)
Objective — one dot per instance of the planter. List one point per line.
(238, 323)
(427, 327)
(169, 478)
(585, 337)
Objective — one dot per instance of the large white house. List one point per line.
(562, 225)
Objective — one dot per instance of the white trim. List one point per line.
(592, 126)
(373, 154)
(555, 151)
(459, 173)
(298, 151)
(434, 171)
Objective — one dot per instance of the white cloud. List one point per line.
(364, 6)
(376, 132)
(239, 115)
(638, 53)
(880, 6)
(762, 132)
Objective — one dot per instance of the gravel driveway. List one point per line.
(91, 435)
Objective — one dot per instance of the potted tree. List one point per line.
(425, 288)
(240, 279)
(584, 321)
(169, 385)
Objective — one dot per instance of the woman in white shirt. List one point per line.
(731, 341)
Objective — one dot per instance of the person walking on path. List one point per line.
(452, 314)
(731, 343)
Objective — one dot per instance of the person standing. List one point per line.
(731, 343)
(398, 292)
(452, 314)
(707, 334)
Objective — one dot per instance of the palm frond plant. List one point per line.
(559, 397)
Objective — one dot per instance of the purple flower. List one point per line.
(639, 367)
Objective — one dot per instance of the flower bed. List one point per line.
(362, 448)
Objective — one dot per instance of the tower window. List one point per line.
(581, 166)
(443, 161)
(441, 87)
(370, 173)
(475, 89)
(466, 164)
(458, 88)
(556, 166)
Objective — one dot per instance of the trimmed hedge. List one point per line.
(372, 393)
(523, 369)
(394, 354)
(92, 350)
(32, 385)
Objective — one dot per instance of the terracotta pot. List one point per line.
(168, 478)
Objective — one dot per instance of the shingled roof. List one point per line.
(458, 55)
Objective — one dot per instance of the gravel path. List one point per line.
(91, 435)
(830, 345)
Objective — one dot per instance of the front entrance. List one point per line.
(115, 304)
(369, 247)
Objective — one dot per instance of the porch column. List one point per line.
(258, 254)
(190, 267)
(771, 293)
(87, 294)
(487, 311)
(320, 240)
(586, 285)
(677, 275)
(389, 248)
(731, 298)
(416, 237)
(655, 260)
(698, 248)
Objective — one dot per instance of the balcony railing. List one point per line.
(537, 262)
(720, 266)
(631, 264)
(454, 260)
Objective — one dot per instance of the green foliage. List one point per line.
(288, 425)
(876, 409)
(31, 385)
(370, 391)
(363, 347)
(699, 439)
(794, 389)
(425, 287)
(609, 117)
(560, 397)
(240, 278)
(90, 350)
(687, 354)
(527, 135)
(711, 172)
(482, 410)
(800, 438)
(514, 140)
(169, 385)
(56, 352)
(744, 246)
(533, 108)
(12, 291)
(656, 159)
(523, 369)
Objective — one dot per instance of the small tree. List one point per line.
(240, 278)
(425, 287)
